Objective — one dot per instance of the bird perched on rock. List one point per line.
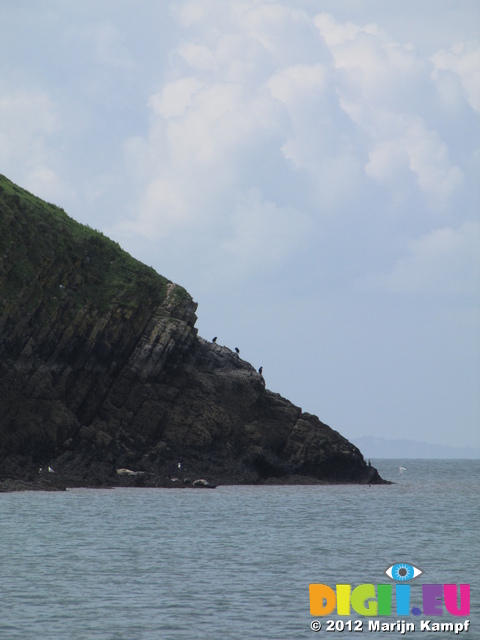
(214, 339)
(260, 370)
(237, 350)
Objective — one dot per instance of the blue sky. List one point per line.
(309, 171)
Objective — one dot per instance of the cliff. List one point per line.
(101, 369)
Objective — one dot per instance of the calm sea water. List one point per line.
(232, 563)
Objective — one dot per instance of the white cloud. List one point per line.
(190, 13)
(372, 68)
(458, 70)
(223, 119)
(337, 33)
(282, 30)
(174, 99)
(197, 56)
(342, 108)
(443, 262)
(161, 211)
(302, 90)
(296, 84)
(192, 154)
(402, 141)
(379, 82)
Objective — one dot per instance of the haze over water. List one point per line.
(235, 562)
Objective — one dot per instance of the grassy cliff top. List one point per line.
(43, 249)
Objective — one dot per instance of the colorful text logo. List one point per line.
(377, 600)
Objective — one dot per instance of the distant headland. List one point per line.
(403, 448)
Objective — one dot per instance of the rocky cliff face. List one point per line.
(101, 368)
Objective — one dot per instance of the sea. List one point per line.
(236, 562)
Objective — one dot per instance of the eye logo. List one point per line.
(403, 572)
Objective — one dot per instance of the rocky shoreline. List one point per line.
(70, 471)
(64, 482)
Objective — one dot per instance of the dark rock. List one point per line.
(109, 373)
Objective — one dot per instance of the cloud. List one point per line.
(197, 56)
(233, 94)
(296, 87)
(371, 67)
(322, 119)
(190, 13)
(200, 136)
(175, 98)
(457, 73)
(381, 84)
(410, 144)
(443, 262)
(162, 209)
(292, 84)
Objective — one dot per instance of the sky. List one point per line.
(307, 170)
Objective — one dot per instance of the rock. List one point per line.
(109, 375)
(201, 483)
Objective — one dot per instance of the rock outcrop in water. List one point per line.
(101, 368)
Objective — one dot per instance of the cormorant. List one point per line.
(237, 350)
(260, 370)
(214, 339)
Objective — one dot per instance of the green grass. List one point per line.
(48, 254)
